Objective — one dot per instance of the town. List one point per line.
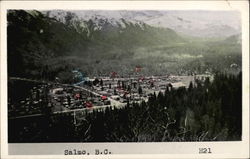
(95, 93)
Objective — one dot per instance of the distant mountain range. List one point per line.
(192, 23)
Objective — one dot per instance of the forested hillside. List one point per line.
(206, 111)
(43, 47)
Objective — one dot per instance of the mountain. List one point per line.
(38, 43)
(193, 23)
(48, 44)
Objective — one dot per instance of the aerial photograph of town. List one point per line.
(124, 76)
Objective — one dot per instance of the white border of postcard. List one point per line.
(237, 149)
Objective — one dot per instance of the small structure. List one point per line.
(104, 97)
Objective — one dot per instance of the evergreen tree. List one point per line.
(140, 90)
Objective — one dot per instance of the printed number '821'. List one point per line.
(205, 150)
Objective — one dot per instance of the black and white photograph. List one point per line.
(124, 76)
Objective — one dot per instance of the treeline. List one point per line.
(205, 111)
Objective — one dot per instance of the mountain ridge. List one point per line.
(195, 23)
